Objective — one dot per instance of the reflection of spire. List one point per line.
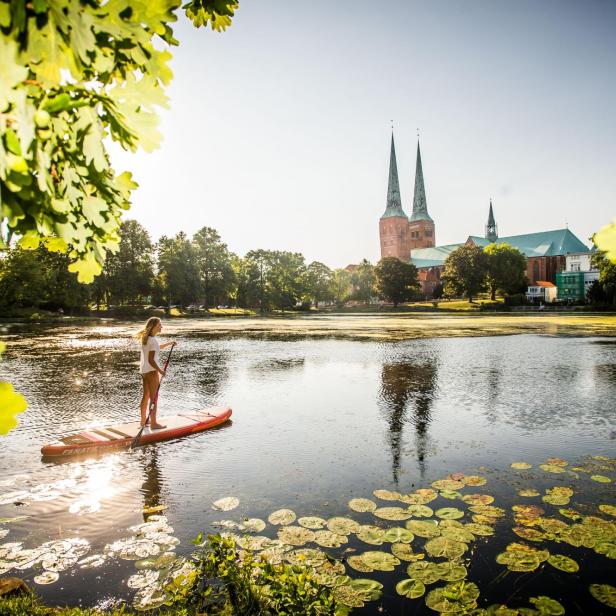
(404, 386)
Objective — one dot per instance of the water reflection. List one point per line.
(406, 395)
(152, 485)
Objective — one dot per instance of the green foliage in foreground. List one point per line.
(227, 584)
(73, 73)
(257, 587)
(30, 605)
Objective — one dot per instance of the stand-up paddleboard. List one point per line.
(97, 440)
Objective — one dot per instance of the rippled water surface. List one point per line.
(317, 420)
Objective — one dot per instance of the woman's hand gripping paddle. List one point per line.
(152, 403)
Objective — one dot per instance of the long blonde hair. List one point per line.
(146, 331)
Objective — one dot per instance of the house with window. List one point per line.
(579, 274)
(541, 292)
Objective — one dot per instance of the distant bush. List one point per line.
(517, 299)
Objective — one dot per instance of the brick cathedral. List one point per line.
(413, 238)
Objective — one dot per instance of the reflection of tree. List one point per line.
(213, 374)
(152, 485)
(493, 381)
(407, 391)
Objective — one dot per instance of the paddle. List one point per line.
(152, 403)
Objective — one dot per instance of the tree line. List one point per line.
(198, 270)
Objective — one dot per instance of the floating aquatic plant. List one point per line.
(226, 504)
(282, 517)
(362, 504)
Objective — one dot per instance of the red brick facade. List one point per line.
(399, 236)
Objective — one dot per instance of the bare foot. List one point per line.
(157, 426)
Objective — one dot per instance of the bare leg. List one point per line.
(145, 399)
(153, 380)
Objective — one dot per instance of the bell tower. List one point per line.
(421, 226)
(491, 228)
(394, 223)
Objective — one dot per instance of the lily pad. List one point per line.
(47, 577)
(380, 561)
(609, 509)
(601, 478)
(473, 480)
(404, 551)
(488, 510)
(312, 522)
(327, 539)
(226, 504)
(411, 589)
(342, 525)
(528, 492)
(387, 495)
(295, 535)
(571, 514)
(547, 606)
(393, 513)
(443, 547)
(481, 530)
(420, 511)
(424, 528)
(252, 525)
(372, 535)
(604, 593)
(520, 557)
(143, 579)
(357, 562)
(449, 513)
(521, 466)
(457, 534)
(454, 597)
(557, 462)
(558, 496)
(552, 468)
(282, 517)
(422, 496)
(564, 563)
(398, 535)
(423, 571)
(530, 534)
(447, 484)
(307, 557)
(362, 505)
(478, 499)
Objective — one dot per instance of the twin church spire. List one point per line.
(394, 201)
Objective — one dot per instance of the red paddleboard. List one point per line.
(97, 440)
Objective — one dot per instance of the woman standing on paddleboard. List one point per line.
(151, 372)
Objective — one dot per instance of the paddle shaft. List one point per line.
(152, 402)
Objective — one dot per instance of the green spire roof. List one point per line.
(491, 230)
(394, 203)
(420, 207)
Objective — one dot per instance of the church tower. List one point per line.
(491, 228)
(394, 224)
(421, 226)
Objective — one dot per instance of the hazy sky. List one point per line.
(279, 129)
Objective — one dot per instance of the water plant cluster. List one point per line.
(425, 541)
(434, 545)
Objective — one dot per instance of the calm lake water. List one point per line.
(317, 420)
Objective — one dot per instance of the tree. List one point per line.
(286, 278)
(465, 272)
(177, 269)
(21, 279)
(73, 73)
(506, 270)
(607, 278)
(363, 280)
(396, 281)
(129, 274)
(319, 280)
(214, 266)
(341, 285)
